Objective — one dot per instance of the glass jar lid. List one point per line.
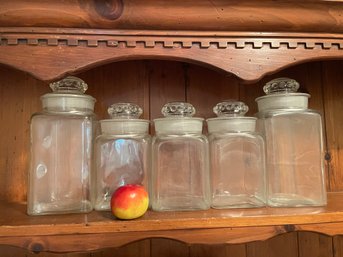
(178, 118)
(281, 86)
(124, 110)
(178, 109)
(281, 93)
(124, 120)
(69, 85)
(68, 94)
(230, 108)
(230, 117)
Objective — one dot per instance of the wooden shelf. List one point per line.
(79, 232)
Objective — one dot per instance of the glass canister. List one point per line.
(61, 150)
(122, 152)
(237, 158)
(180, 169)
(294, 144)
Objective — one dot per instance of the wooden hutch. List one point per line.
(150, 52)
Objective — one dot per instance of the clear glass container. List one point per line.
(237, 158)
(180, 169)
(294, 144)
(122, 152)
(61, 150)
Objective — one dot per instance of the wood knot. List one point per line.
(109, 9)
(328, 157)
(36, 248)
(289, 228)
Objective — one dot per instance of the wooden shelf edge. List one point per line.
(157, 223)
(91, 242)
(15, 222)
(77, 232)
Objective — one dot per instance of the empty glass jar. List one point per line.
(61, 150)
(294, 143)
(180, 169)
(237, 158)
(122, 152)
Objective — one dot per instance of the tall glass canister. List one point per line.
(294, 143)
(237, 158)
(180, 169)
(61, 150)
(122, 152)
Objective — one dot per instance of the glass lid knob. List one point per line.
(230, 108)
(124, 110)
(281, 85)
(69, 85)
(178, 109)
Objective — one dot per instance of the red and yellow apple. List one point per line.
(129, 202)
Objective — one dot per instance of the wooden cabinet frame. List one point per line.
(49, 40)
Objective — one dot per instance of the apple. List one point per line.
(129, 202)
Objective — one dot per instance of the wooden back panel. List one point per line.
(151, 84)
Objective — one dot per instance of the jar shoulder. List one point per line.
(183, 137)
(53, 115)
(146, 138)
(289, 113)
(237, 136)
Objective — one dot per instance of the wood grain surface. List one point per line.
(333, 104)
(305, 16)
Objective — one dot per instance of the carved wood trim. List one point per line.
(169, 39)
(248, 55)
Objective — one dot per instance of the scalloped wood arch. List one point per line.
(49, 54)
